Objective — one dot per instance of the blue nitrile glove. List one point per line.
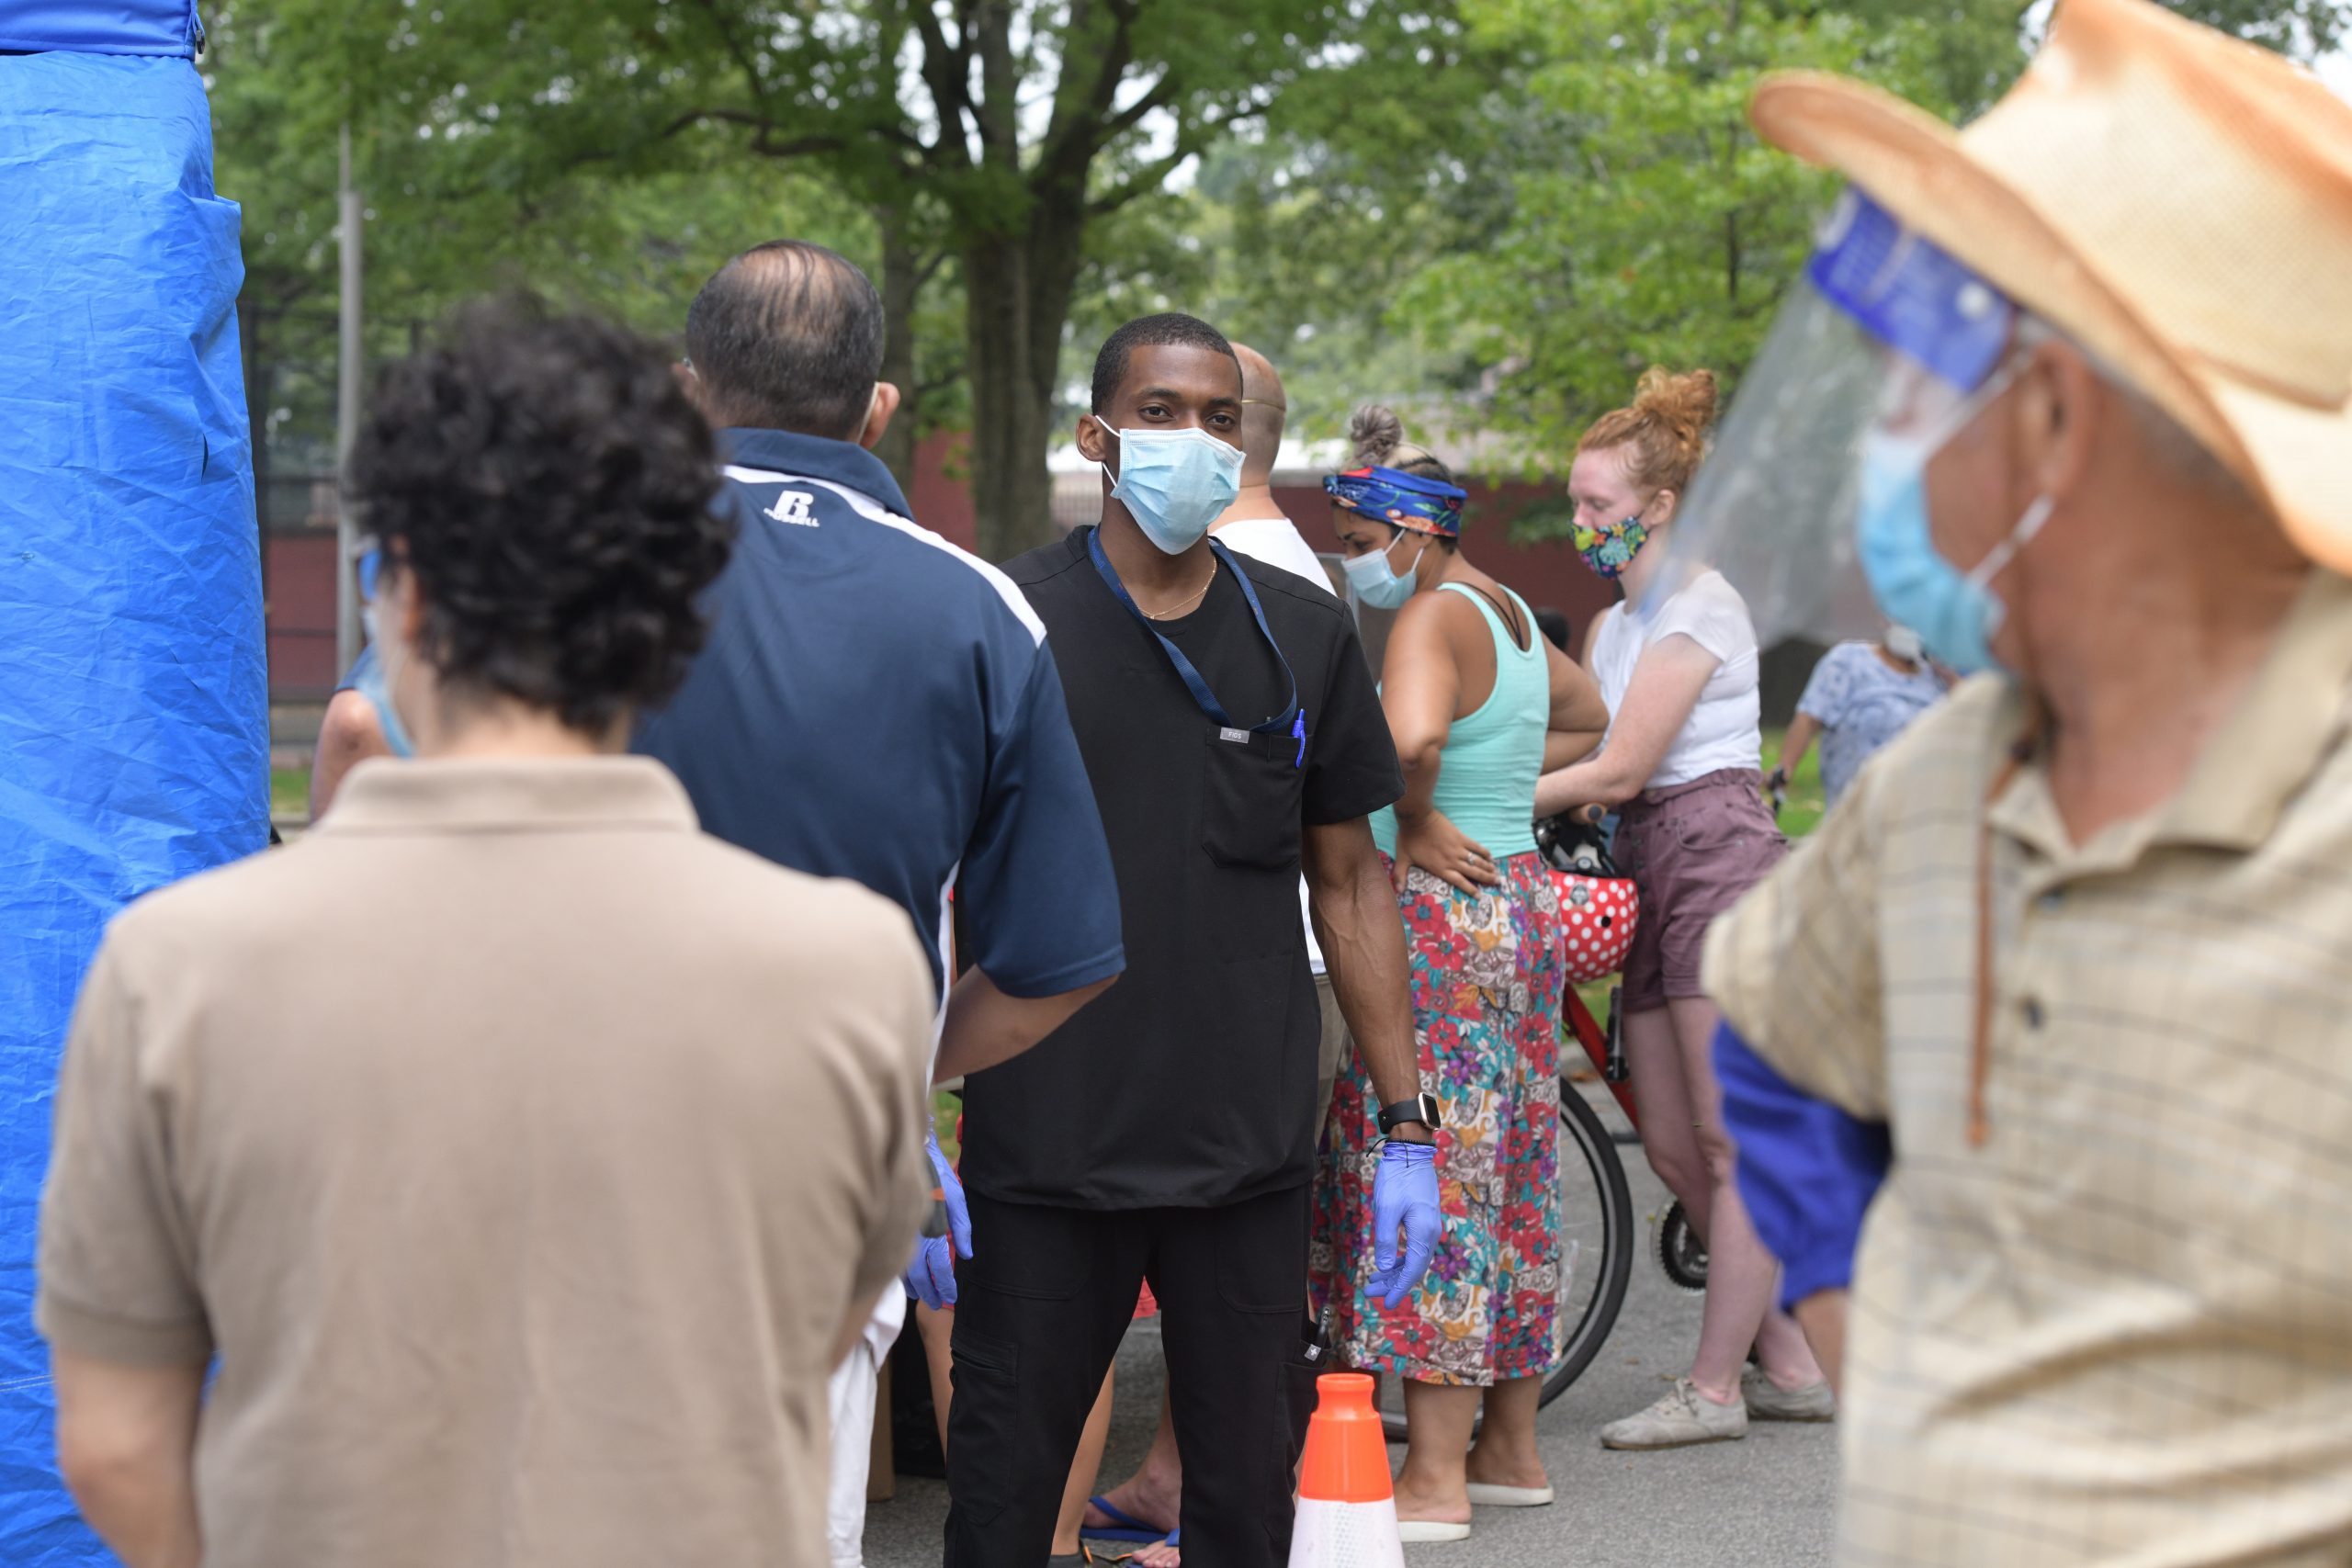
(931, 1278)
(931, 1275)
(951, 1192)
(1404, 1193)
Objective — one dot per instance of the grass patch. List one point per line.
(289, 793)
(1806, 803)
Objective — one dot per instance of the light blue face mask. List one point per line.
(375, 684)
(1375, 581)
(1174, 483)
(1954, 612)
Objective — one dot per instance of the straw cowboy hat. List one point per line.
(2177, 202)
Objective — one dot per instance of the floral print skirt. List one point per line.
(1486, 977)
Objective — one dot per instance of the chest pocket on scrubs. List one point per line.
(1252, 791)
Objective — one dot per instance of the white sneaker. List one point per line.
(1682, 1417)
(1767, 1401)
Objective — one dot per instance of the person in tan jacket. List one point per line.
(542, 1255)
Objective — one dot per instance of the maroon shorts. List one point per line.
(1693, 848)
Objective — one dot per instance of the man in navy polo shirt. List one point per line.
(875, 703)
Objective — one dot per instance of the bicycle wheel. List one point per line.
(1597, 1213)
(1597, 1245)
(1682, 1256)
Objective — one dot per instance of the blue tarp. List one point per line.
(133, 706)
(101, 27)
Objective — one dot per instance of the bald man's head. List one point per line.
(788, 336)
(1262, 412)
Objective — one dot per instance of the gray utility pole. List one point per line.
(346, 420)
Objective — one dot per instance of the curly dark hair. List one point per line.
(549, 486)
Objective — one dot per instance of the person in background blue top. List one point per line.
(878, 705)
(1860, 697)
(349, 734)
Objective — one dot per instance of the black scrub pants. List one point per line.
(1041, 1307)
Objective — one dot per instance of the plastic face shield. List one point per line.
(1883, 330)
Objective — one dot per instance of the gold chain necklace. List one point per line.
(1173, 610)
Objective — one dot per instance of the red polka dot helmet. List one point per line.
(1596, 920)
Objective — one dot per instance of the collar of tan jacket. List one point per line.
(2291, 716)
(500, 795)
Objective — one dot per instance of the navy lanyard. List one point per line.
(1292, 716)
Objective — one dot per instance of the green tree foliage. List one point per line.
(1298, 236)
(1656, 228)
(1518, 207)
(985, 136)
(2302, 28)
(445, 223)
(1511, 204)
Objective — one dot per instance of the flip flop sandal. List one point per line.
(1168, 1539)
(1124, 1526)
(1081, 1556)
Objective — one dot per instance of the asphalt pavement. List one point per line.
(1767, 1499)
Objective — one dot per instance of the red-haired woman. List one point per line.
(1682, 766)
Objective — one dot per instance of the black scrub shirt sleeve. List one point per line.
(1352, 768)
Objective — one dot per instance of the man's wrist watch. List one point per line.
(1421, 1108)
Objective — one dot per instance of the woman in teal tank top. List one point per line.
(1480, 706)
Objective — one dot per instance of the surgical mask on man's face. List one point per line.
(1376, 583)
(1956, 613)
(1174, 483)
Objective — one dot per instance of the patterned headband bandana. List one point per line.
(1393, 496)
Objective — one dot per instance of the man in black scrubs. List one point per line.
(1231, 731)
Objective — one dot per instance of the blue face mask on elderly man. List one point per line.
(1956, 612)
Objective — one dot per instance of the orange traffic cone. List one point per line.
(1347, 1509)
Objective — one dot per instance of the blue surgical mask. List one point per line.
(1954, 612)
(1174, 483)
(1375, 581)
(375, 684)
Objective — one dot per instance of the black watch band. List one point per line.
(1421, 1108)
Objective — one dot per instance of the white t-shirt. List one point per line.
(1725, 731)
(1275, 541)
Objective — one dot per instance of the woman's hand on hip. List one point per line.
(1444, 850)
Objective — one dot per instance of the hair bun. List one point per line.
(1683, 400)
(1376, 433)
(1666, 429)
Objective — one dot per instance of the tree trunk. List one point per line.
(1011, 402)
(1012, 495)
(901, 283)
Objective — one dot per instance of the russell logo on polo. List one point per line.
(792, 506)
